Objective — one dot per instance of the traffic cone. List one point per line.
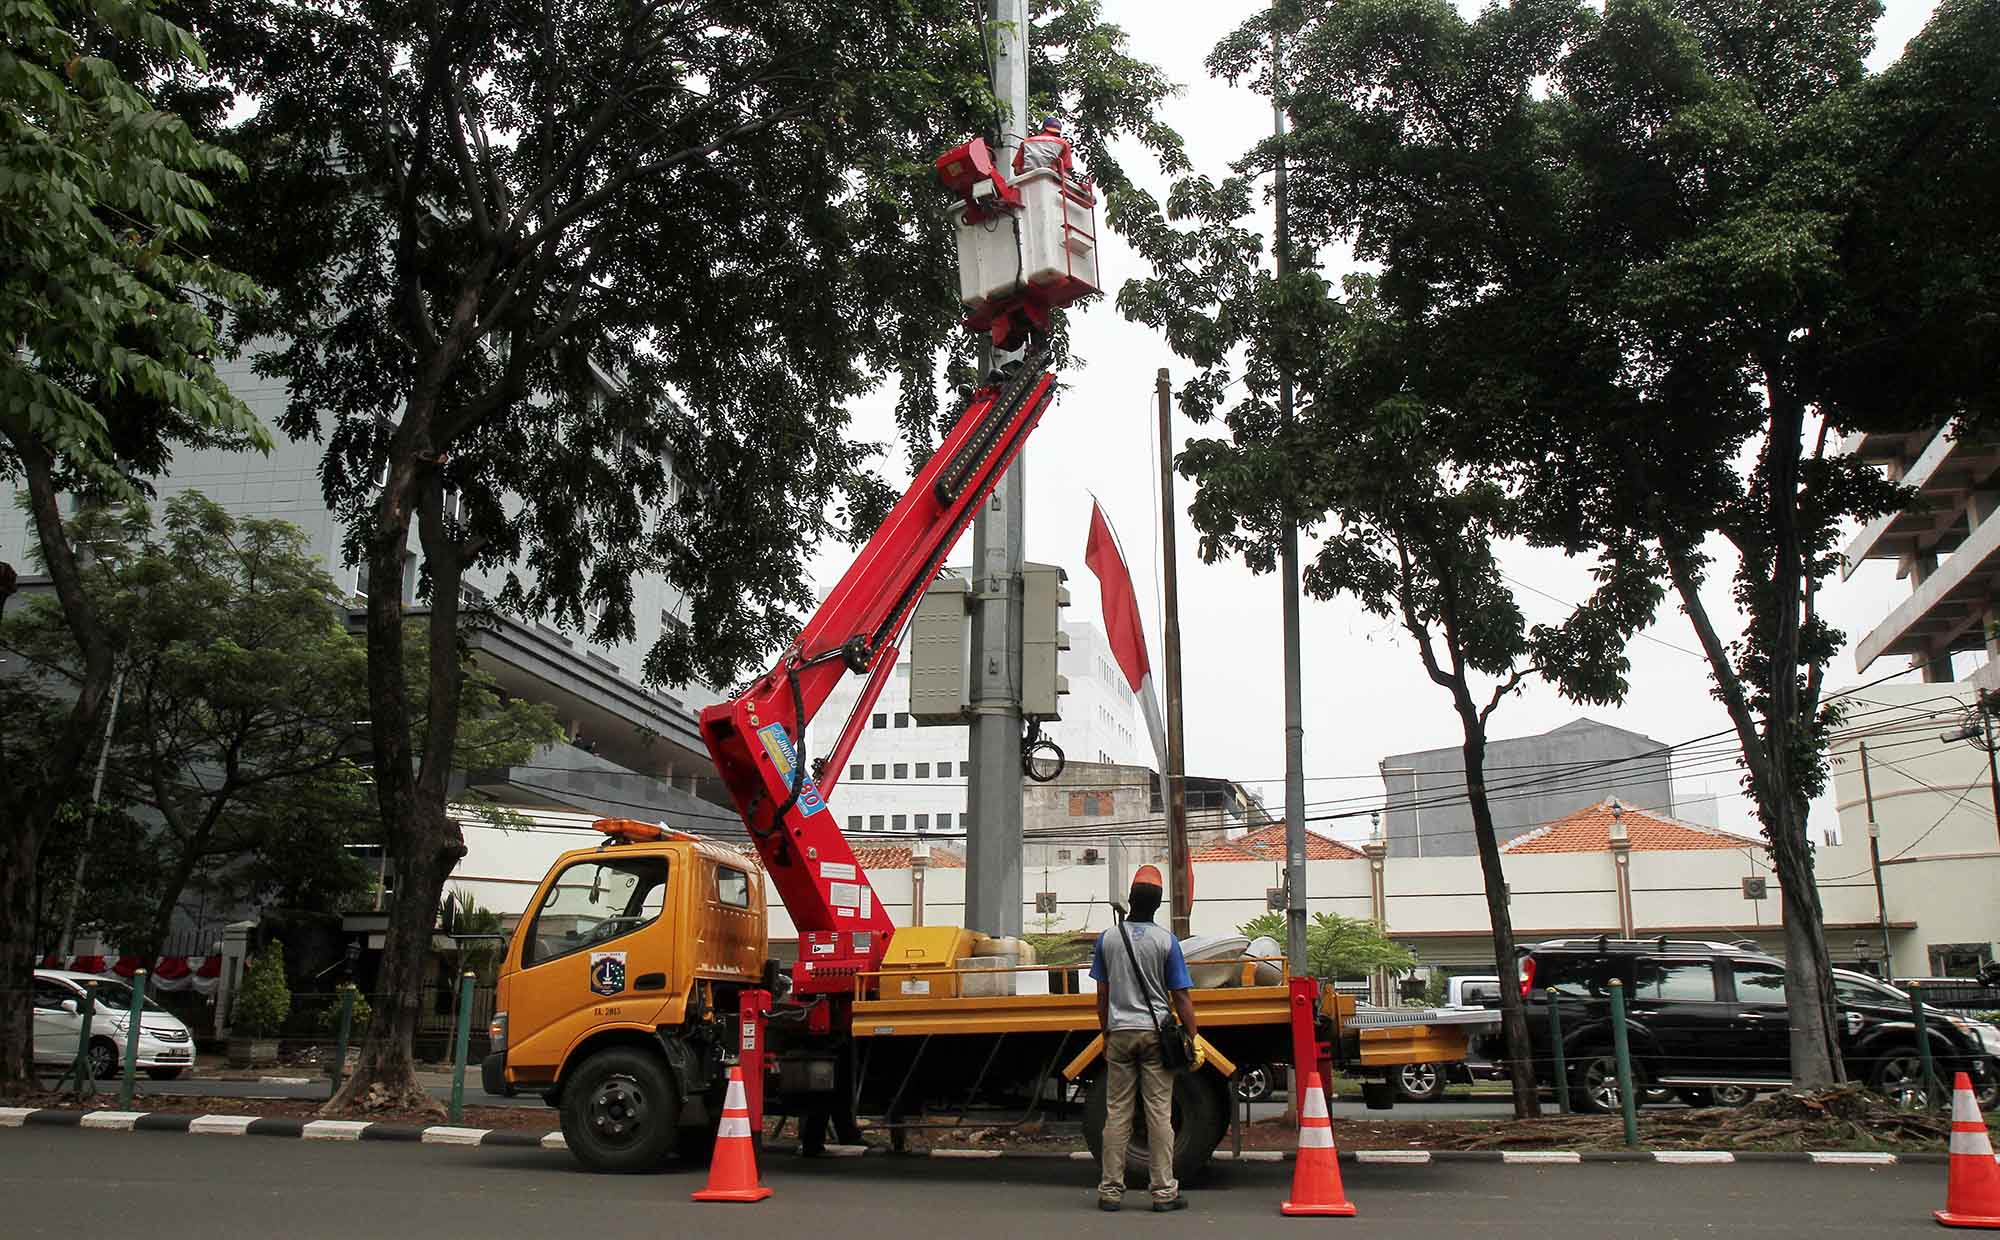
(1316, 1176)
(732, 1176)
(1972, 1195)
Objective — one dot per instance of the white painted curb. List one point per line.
(554, 1141)
(1250, 1156)
(444, 1134)
(222, 1125)
(965, 1153)
(1540, 1156)
(14, 1117)
(112, 1121)
(1412, 1157)
(1856, 1158)
(1692, 1157)
(334, 1130)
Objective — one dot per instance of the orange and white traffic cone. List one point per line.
(1972, 1195)
(1316, 1176)
(733, 1174)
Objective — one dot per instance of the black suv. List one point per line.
(1707, 1019)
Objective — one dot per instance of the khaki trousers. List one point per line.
(1133, 1066)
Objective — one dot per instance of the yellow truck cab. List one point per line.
(618, 996)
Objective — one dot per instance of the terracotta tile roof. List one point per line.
(1269, 845)
(897, 857)
(1222, 852)
(1589, 830)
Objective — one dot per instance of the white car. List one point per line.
(166, 1048)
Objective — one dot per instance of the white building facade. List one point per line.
(906, 778)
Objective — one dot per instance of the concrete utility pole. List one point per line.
(1178, 861)
(993, 791)
(1875, 864)
(1295, 726)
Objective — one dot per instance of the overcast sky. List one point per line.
(1365, 693)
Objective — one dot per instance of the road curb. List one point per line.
(334, 1132)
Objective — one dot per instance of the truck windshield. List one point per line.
(595, 901)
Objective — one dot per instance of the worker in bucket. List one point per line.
(1047, 149)
(1142, 990)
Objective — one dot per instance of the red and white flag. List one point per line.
(1127, 635)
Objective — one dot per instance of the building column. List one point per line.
(235, 946)
(1377, 851)
(1621, 866)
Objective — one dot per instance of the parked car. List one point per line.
(1860, 990)
(1708, 1020)
(166, 1047)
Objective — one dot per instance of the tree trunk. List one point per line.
(422, 842)
(1815, 1024)
(19, 842)
(36, 789)
(1513, 1018)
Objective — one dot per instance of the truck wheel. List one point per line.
(1201, 1117)
(620, 1111)
(1418, 1082)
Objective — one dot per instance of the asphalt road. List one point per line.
(164, 1186)
(475, 1096)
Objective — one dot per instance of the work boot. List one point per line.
(1170, 1205)
(1110, 1204)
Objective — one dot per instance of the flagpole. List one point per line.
(1178, 860)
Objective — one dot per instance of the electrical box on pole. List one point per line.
(937, 644)
(1042, 640)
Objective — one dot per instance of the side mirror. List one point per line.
(69, 1005)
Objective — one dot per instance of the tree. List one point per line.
(107, 363)
(1666, 226)
(1416, 454)
(575, 291)
(1337, 946)
(234, 763)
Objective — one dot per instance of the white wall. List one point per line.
(1934, 806)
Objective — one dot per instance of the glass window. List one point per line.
(595, 901)
(899, 822)
(1581, 977)
(1848, 990)
(854, 822)
(1687, 981)
(944, 770)
(874, 822)
(902, 719)
(880, 720)
(965, 769)
(923, 822)
(732, 887)
(923, 770)
(902, 770)
(857, 771)
(878, 771)
(1759, 983)
(944, 820)
(49, 995)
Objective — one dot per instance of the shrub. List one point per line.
(329, 1017)
(265, 1000)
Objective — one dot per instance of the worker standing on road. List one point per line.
(1136, 967)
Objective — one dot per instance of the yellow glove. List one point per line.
(1200, 1054)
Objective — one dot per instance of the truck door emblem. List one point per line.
(607, 973)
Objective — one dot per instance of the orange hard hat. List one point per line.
(1148, 875)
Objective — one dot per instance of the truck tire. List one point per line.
(1418, 1082)
(1201, 1117)
(620, 1111)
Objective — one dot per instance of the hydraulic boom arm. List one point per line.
(757, 739)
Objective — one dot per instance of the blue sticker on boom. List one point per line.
(778, 744)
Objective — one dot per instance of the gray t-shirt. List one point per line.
(1159, 954)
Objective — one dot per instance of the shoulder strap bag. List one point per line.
(1176, 1047)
